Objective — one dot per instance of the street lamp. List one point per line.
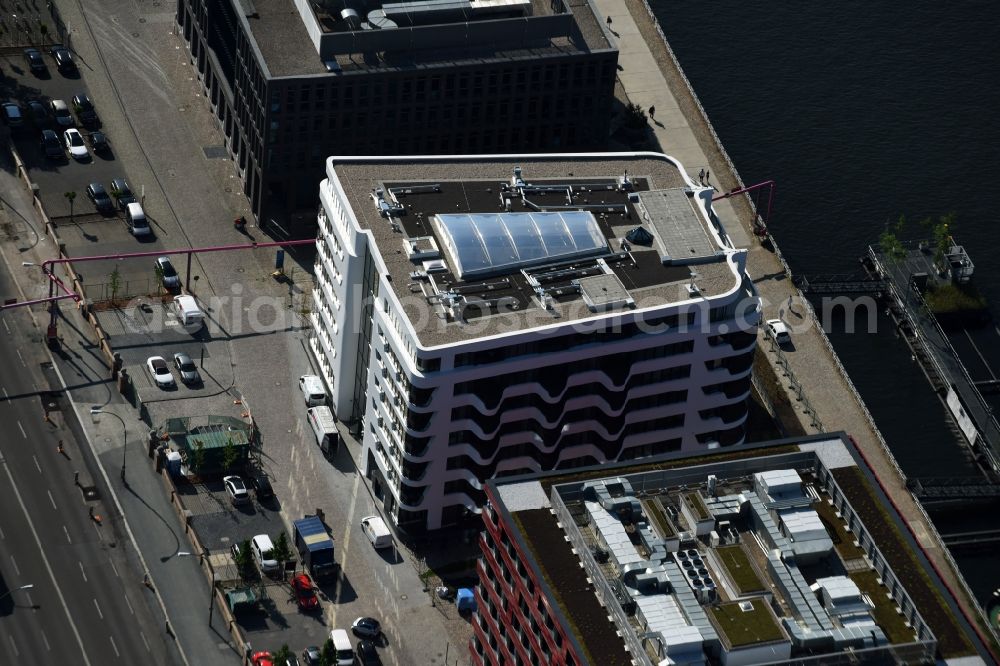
(17, 589)
(95, 413)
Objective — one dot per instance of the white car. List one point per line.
(778, 331)
(312, 390)
(160, 372)
(75, 144)
(236, 489)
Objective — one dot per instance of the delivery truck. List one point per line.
(315, 546)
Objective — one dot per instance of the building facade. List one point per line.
(485, 316)
(291, 82)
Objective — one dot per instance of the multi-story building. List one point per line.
(492, 315)
(723, 559)
(293, 81)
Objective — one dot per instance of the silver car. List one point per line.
(186, 369)
(171, 280)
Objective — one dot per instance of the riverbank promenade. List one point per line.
(822, 395)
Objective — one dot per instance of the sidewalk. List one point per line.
(649, 79)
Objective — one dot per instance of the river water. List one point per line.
(862, 112)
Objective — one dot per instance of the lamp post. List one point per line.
(95, 413)
(17, 589)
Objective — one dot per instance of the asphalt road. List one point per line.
(87, 604)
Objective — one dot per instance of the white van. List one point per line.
(312, 390)
(324, 427)
(377, 532)
(136, 220)
(342, 647)
(187, 311)
(263, 553)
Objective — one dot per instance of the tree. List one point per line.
(244, 560)
(70, 196)
(282, 655)
(328, 655)
(230, 453)
(281, 551)
(197, 461)
(635, 116)
(115, 282)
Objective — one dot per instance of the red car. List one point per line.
(305, 595)
(262, 659)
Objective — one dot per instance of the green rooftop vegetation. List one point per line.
(740, 570)
(892, 623)
(843, 540)
(739, 627)
(656, 514)
(697, 506)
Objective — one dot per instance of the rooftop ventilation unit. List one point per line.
(386, 208)
(693, 290)
(516, 180)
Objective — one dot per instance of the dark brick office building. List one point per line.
(292, 82)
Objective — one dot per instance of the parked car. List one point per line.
(263, 553)
(305, 595)
(312, 390)
(186, 368)
(160, 372)
(12, 114)
(169, 277)
(122, 193)
(61, 112)
(261, 486)
(63, 57)
(311, 655)
(84, 109)
(51, 146)
(35, 61)
(247, 568)
(367, 627)
(262, 658)
(99, 142)
(367, 654)
(37, 113)
(236, 489)
(75, 145)
(102, 202)
(778, 331)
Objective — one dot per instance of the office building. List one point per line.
(291, 82)
(492, 315)
(709, 561)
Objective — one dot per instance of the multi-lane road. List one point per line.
(86, 603)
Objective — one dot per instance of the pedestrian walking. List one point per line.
(701, 176)
(609, 21)
(76, 478)
(652, 112)
(59, 447)
(706, 175)
(90, 511)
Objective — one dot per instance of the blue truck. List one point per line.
(315, 546)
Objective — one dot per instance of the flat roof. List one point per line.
(426, 197)
(279, 33)
(739, 569)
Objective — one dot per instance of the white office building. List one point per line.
(481, 316)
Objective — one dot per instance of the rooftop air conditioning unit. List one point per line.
(693, 289)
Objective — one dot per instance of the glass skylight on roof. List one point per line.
(481, 243)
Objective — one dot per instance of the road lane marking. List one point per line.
(52, 499)
(6, 326)
(66, 531)
(45, 640)
(98, 609)
(82, 572)
(21, 357)
(5, 396)
(13, 562)
(13, 646)
(37, 466)
(144, 641)
(117, 653)
(48, 567)
(113, 567)
(2, 535)
(129, 604)
(21, 427)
